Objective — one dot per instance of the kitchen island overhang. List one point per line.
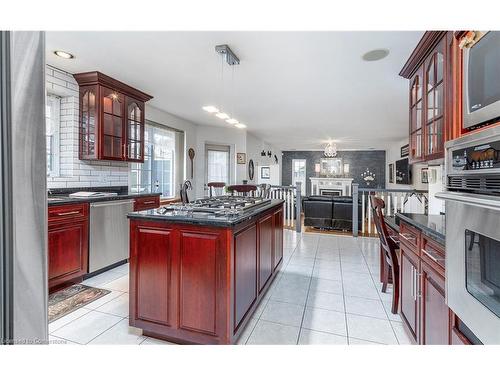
(198, 279)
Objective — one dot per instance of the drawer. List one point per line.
(433, 254)
(68, 212)
(146, 203)
(410, 236)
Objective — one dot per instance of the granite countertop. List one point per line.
(431, 225)
(201, 218)
(56, 200)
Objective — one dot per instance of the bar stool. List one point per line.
(390, 248)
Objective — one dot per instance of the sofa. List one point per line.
(330, 212)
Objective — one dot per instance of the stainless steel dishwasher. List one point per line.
(109, 233)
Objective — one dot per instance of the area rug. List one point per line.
(67, 300)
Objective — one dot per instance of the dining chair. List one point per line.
(244, 190)
(216, 189)
(390, 248)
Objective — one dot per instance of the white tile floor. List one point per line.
(326, 293)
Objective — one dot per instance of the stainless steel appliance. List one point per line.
(481, 79)
(109, 233)
(473, 232)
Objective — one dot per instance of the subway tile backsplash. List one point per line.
(74, 172)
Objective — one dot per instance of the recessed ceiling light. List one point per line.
(64, 55)
(232, 121)
(240, 125)
(210, 109)
(222, 115)
(375, 55)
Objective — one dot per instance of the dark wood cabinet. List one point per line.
(423, 307)
(408, 279)
(266, 260)
(433, 309)
(278, 238)
(245, 272)
(67, 244)
(200, 283)
(146, 203)
(111, 119)
(428, 71)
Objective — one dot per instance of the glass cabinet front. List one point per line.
(112, 124)
(434, 104)
(135, 130)
(416, 117)
(88, 148)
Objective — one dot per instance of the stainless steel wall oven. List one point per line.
(473, 232)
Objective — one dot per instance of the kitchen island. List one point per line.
(198, 271)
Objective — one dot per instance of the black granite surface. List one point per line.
(199, 218)
(431, 225)
(61, 196)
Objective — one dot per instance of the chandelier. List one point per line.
(330, 150)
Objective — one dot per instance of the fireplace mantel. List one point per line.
(331, 185)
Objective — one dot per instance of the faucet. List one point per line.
(185, 186)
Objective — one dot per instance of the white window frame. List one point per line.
(138, 167)
(222, 148)
(303, 181)
(54, 102)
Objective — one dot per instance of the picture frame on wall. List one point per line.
(241, 158)
(424, 175)
(391, 173)
(265, 173)
(405, 150)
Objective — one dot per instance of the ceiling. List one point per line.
(295, 90)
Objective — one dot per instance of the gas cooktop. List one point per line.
(218, 206)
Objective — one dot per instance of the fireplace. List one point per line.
(331, 186)
(331, 192)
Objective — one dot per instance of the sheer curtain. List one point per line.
(218, 163)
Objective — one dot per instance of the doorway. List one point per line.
(299, 174)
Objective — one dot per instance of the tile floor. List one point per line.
(326, 293)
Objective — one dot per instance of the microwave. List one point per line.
(481, 80)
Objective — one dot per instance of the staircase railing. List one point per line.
(292, 205)
(396, 200)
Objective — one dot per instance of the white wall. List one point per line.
(393, 153)
(73, 171)
(435, 206)
(78, 173)
(232, 137)
(255, 146)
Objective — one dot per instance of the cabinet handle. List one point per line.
(407, 237)
(418, 291)
(413, 282)
(148, 202)
(68, 213)
(431, 256)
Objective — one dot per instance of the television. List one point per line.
(403, 172)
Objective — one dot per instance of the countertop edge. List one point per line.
(69, 200)
(433, 234)
(206, 222)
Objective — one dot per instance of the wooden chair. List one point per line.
(216, 188)
(245, 190)
(390, 248)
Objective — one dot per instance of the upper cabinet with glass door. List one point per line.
(111, 119)
(428, 71)
(434, 102)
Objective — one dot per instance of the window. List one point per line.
(299, 173)
(217, 167)
(52, 124)
(158, 172)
